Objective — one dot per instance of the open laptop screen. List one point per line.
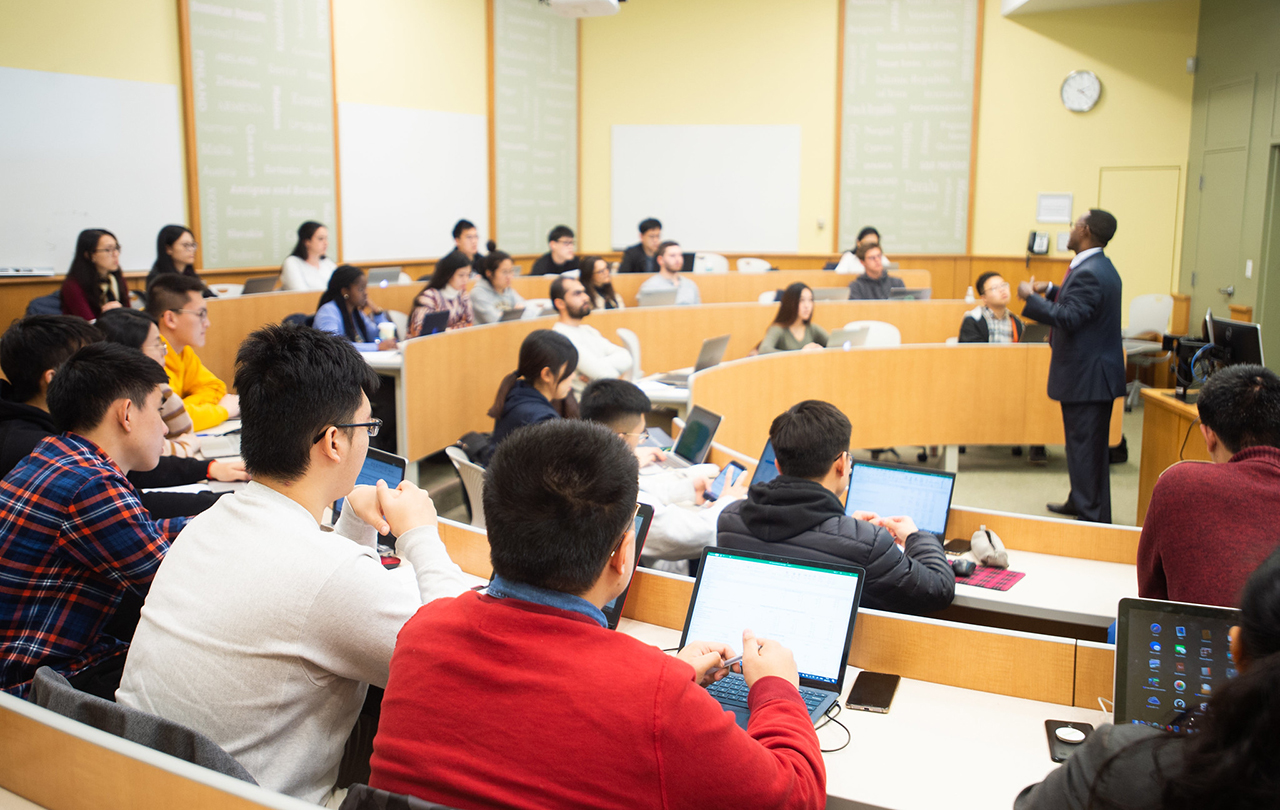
(890, 490)
(767, 467)
(807, 607)
(695, 440)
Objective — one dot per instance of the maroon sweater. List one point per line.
(1208, 527)
(503, 703)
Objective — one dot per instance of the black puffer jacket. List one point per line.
(795, 517)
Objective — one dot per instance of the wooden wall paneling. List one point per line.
(1064, 538)
(1241, 312)
(395, 296)
(1169, 434)
(1095, 673)
(1180, 322)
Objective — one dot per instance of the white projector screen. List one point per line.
(732, 189)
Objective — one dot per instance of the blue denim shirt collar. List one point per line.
(500, 588)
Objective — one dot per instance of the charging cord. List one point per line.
(828, 717)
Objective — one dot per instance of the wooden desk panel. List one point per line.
(1168, 425)
(1064, 538)
(1095, 673)
(231, 320)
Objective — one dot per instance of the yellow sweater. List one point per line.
(200, 390)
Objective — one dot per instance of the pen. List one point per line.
(737, 659)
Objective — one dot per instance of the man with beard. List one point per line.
(598, 359)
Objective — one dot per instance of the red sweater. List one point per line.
(75, 302)
(1208, 527)
(504, 703)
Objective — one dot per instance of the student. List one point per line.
(263, 630)
(94, 283)
(792, 328)
(175, 253)
(597, 358)
(176, 303)
(850, 263)
(445, 292)
(683, 522)
(874, 283)
(307, 268)
(639, 258)
(559, 256)
(597, 280)
(670, 260)
(1209, 524)
(466, 239)
(799, 514)
(529, 394)
(341, 311)
(1231, 762)
(493, 294)
(74, 538)
(522, 696)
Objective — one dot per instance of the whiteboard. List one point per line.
(82, 152)
(715, 188)
(407, 176)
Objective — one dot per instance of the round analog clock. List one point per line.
(1080, 90)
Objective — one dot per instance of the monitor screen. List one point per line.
(888, 490)
(377, 464)
(767, 467)
(695, 439)
(806, 607)
(1241, 339)
(1170, 659)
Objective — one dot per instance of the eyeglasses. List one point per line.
(1004, 285)
(630, 525)
(202, 314)
(373, 425)
(115, 249)
(188, 245)
(644, 435)
(565, 241)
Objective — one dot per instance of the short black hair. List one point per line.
(809, 437)
(556, 292)
(1242, 405)
(169, 293)
(981, 283)
(650, 224)
(128, 327)
(865, 232)
(96, 376)
(462, 226)
(294, 382)
(560, 232)
(1101, 224)
(609, 401)
(558, 495)
(663, 247)
(31, 346)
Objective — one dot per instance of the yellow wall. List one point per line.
(712, 62)
(1029, 143)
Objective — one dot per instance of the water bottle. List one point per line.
(968, 295)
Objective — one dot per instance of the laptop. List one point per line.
(889, 490)
(767, 466)
(259, 284)
(694, 442)
(1170, 657)
(808, 607)
(434, 322)
(830, 293)
(613, 610)
(848, 338)
(910, 294)
(512, 315)
(377, 464)
(711, 354)
(382, 276)
(656, 298)
(1035, 333)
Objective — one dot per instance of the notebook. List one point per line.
(434, 322)
(766, 467)
(384, 276)
(830, 293)
(711, 354)
(890, 490)
(808, 607)
(848, 338)
(259, 284)
(910, 294)
(656, 298)
(1035, 333)
(613, 610)
(512, 315)
(694, 442)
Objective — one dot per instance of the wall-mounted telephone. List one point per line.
(1038, 243)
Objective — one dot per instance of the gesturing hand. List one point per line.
(706, 658)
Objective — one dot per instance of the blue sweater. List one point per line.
(524, 406)
(329, 319)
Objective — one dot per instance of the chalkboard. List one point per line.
(535, 77)
(907, 122)
(261, 90)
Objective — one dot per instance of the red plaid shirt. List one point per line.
(73, 538)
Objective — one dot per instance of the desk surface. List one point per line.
(932, 724)
(1063, 589)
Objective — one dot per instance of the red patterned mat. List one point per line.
(996, 579)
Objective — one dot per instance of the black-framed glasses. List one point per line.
(373, 426)
(630, 526)
(644, 435)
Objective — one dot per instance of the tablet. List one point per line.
(613, 610)
(377, 464)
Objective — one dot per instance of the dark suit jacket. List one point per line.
(1088, 352)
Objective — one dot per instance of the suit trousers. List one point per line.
(1087, 425)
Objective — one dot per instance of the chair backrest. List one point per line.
(880, 334)
(1149, 313)
(768, 297)
(748, 264)
(363, 797)
(632, 342)
(401, 321)
(51, 691)
(472, 476)
(710, 263)
(299, 319)
(50, 304)
(229, 290)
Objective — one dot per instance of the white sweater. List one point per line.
(262, 631)
(680, 529)
(296, 274)
(597, 358)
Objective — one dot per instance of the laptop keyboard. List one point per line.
(733, 689)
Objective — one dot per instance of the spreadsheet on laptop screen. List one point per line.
(923, 496)
(805, 609)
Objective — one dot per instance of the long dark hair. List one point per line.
(1234, 761)
(128, 327)
(83, 272)
(352, 324)
(587, 277)
(789, 309)
(542, 348)
(445, 268)
(492, 261)
(169, 234)
(305, 231)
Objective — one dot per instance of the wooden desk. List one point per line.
(1170, 433)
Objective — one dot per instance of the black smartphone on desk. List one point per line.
(872, 692)
(956, 546)
(1059, 748)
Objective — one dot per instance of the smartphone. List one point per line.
(731, 473)
(377, 464)
(873, 692)
(1059, 750)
